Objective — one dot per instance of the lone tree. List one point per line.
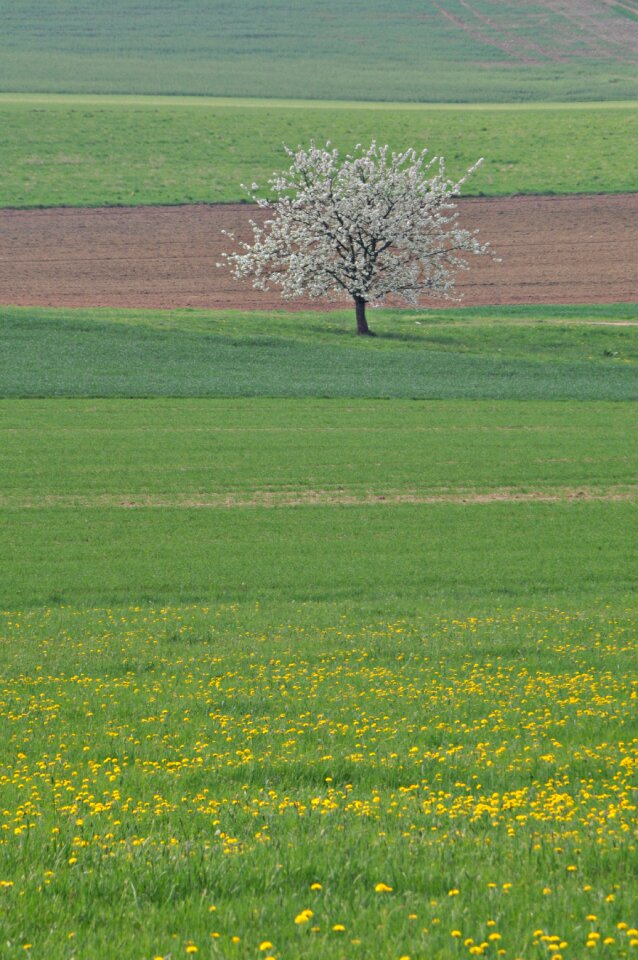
(372, 224)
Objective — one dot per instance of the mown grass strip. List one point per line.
(149, 100)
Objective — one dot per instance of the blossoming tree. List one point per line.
(370, 225)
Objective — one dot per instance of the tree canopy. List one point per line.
(370, 225)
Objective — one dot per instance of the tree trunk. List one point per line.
(362, 324)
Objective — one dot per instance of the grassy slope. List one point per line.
(499, 353)
(116, 152)
(373, 50)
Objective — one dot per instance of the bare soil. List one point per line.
(270, 498)
(567, 249)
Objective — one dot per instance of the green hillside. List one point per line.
(407, 50)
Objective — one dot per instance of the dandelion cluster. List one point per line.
(451, 788)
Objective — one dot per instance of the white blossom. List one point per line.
(370, 225)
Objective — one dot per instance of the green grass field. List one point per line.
(62, 151)
(377, 50)
(224, 501)
(353, 477)
(293, 664)
(314, 646)
(223, 783)
(579, 353)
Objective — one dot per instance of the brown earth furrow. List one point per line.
(569, 249)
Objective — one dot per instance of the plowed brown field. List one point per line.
(576, 249)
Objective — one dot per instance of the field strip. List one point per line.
(151, 101)
(318, 497)
(165, 257)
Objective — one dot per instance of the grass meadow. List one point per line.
(223, 781)
(314, 647)
(522, 353)
(101, 151)
(269, 500)
(371, 51)
(289, 671)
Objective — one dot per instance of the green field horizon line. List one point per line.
(195, 100)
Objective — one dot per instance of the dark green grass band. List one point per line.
(498, 353)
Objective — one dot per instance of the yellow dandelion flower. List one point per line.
(304, 916)
(316, 886)
(382, 888)
(453, 893)
(266, 945)
(338, 927)
(191, 948)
